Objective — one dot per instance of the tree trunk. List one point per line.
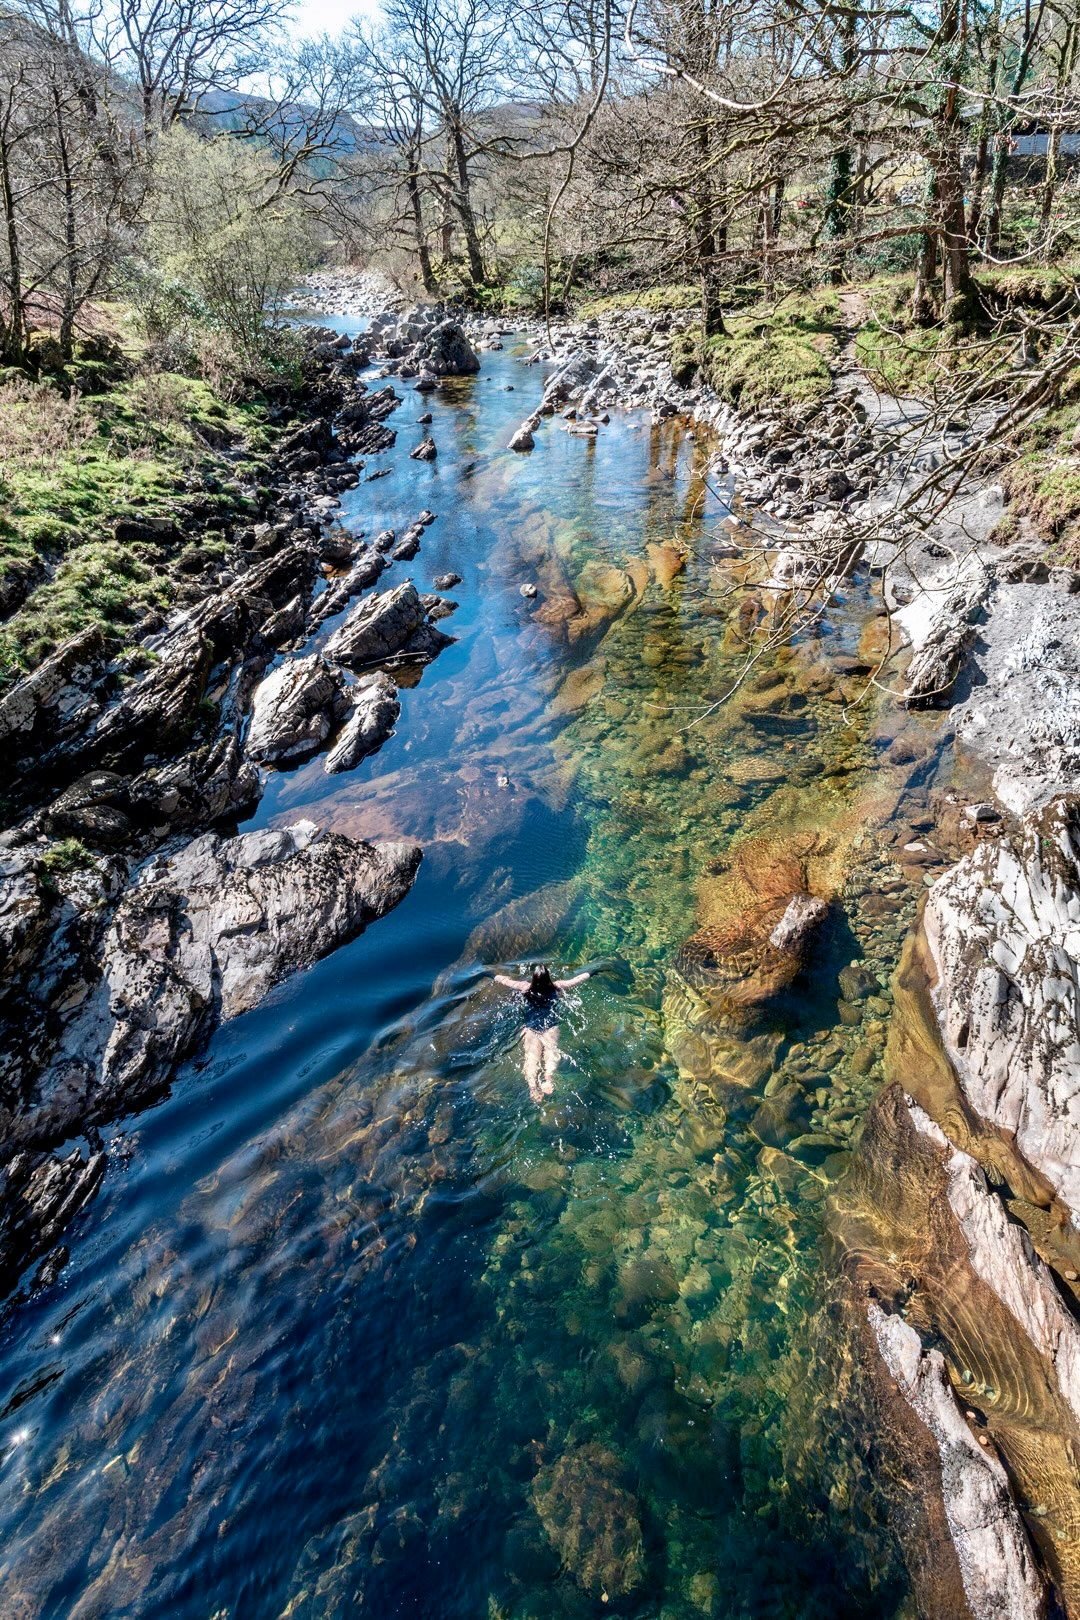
(986, 122)
(13, 333)
(954, 246)
(463, 203)
(1066, 65)
(712, 309)
(1049, 190)
(837, 223)
(416, 210)
(922, 298)
(998, 172)
(71, 280)
(952, 219)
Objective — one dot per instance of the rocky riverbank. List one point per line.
(132, 919)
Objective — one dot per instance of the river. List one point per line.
(357, 1328)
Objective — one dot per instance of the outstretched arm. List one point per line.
(568, 984)
(511, 984)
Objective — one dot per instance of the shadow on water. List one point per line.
(359, 1328)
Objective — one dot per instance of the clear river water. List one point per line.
(354, 1328)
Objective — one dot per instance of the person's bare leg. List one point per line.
(530, 1067)
(552, 1054)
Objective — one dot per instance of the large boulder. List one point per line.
(761, 923)
(447, 352)
(570, 380)
(202, 936)
(936, 661)
(295, 709)
(378, 628)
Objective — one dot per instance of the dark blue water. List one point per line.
(358, 1329)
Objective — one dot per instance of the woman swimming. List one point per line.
(540, 1026)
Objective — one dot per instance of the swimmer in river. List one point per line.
(540, 1031)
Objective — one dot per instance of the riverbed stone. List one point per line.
(592, 1520)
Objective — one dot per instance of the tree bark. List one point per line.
(463, 203)
(14, 330)
(416, 210)
(922, 298)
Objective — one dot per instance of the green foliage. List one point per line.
(1042, 482)
(226, 247)
(71, 467)
(775, 355)
(65, 856)
(968, 344)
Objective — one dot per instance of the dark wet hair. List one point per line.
(542, 987)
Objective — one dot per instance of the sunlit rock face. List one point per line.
(999, 1574)
(984, 1326)
(1003, 927)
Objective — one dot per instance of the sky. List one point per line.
(330, 16)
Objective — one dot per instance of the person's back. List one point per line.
(540, 1031)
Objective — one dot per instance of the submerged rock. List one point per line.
(592, 1520)
(40, 1194)
(762, 923)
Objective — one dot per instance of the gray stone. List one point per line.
(374, 716)
(295, 709)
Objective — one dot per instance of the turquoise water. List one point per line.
(355, 1328)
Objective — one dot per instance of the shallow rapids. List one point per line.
(360, 1330)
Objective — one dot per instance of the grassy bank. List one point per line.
(775, 355)
(111, 504)
(902, 357)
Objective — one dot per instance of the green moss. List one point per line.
(73, 467)
(685, 357)
(901, 357)
(66, 856)
(775, 355)
(655, 300)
